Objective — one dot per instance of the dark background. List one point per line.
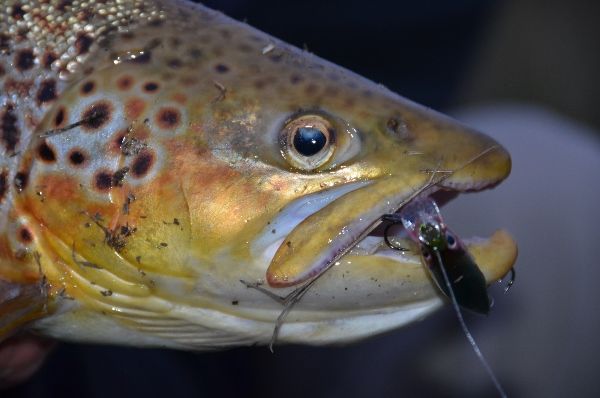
(441, 53)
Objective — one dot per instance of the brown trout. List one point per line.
(155, 153)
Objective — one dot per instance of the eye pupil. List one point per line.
(309, 141)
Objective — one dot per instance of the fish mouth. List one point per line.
(389, 241)
(352, 226)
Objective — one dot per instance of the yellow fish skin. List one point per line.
(155, 153)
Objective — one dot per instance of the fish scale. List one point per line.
(144, 168)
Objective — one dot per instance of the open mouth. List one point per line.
(390, 237)
(341, 228)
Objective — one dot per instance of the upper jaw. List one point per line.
(325, 236)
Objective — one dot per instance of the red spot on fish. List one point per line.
(168, 118)
(125, 82)
(59, 187)
(134, 107)
(179, 98)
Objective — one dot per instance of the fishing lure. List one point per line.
(451, 266)
(422, 220)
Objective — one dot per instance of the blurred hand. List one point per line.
(20, 357)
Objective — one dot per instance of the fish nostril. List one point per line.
(398, 128)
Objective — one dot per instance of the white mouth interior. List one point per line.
(275, 232)
(272, 236)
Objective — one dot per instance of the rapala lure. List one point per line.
(423, 222)
(450, 265)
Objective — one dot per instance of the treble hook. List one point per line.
(393, 219)
(513, 275)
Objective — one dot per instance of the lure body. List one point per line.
(424, 223)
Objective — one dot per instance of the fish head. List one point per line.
(198, 152)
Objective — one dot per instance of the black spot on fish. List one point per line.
(88, 87)
(21, 179)
(46, 92)
(77, 157)
(10, 131)
(48, 58)
(17, 11)
(60, 117)
(83, 43)
(3, 184)
(221, 68)
(4, 43)
(46, 153)
(150, 87)
(103, 180)
(142, 164)
(24, 60)
(96, 116)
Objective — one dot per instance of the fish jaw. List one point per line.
(445, 155)
(404, 289)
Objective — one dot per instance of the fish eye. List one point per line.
(308, 141)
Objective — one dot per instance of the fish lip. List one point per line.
(354, 234)
(442, 195)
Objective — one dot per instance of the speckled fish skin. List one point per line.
(143, 174)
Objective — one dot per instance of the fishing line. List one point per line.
(463, 325)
